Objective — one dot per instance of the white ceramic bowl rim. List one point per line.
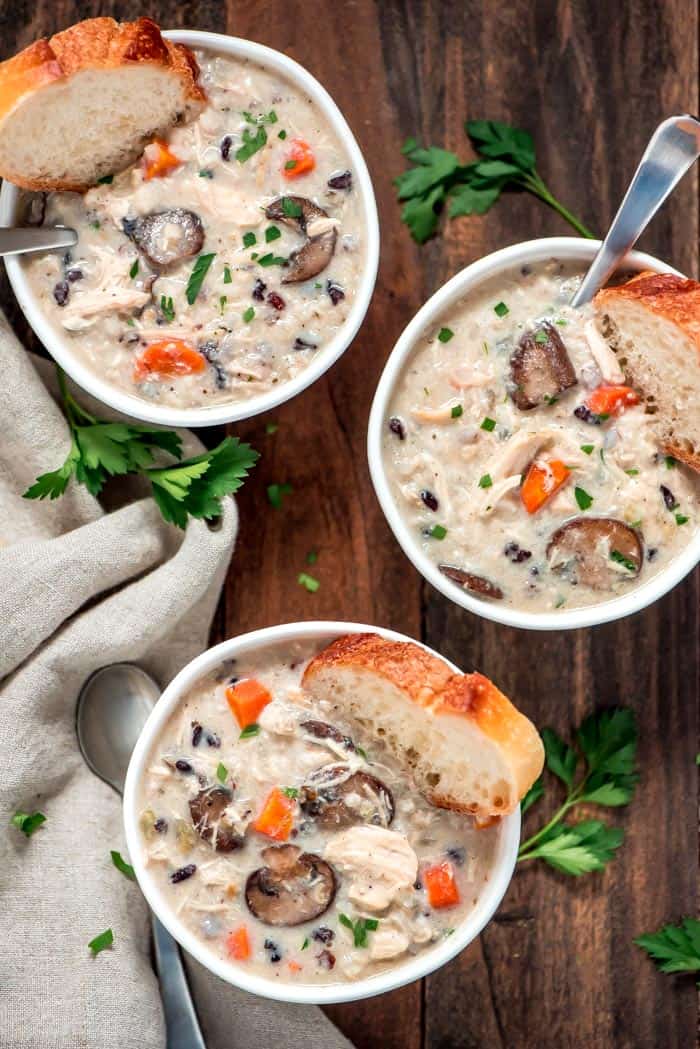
(425, 962)
(565, 248)
(138, 407)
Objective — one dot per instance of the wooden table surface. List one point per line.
(557, 966)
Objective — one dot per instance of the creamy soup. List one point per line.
(220, 264)
(291, 844)
(520, 461)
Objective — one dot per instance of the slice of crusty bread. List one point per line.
(653, 325)
(83, 104)
(467, 746)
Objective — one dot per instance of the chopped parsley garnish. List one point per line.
(282, 134)
(276, 493)
(549, 400)
(488, 424)
(221, 772)
(222, 303)
(670, 462)
(95, 224)
(248, 314)
(227, 275)
(305, 944)
(485, 481)
(249, 239)
(500, 309)
(134, 269)
(122, 866)
(290, 165)
(199, 272)
(251, 144)
(290, 208)
(249, 730)
(541, 336)
(607, 744)
(681, 519)
(308, 582)
(620, 559)
(561, 322)
(445, 334)
(674, 948)
(361, 752)
(271, 260)
(271, 428)
(632, 472)
(265, 118)
(290, 792)
(106, 180)
(438, 531)
(272, 233)
(583, 499)
(105, 939)
(206, 173)
(167, 308)
(587, 448)
(312, 557)
(359, 928)
(457, 410)
(28, 822)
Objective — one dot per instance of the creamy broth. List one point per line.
(457, 450)
(352, 811)
(248, 328)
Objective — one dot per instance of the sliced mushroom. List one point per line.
(336, 797)
(166, 236)
(207, 810)
(318, 228)
(540, 368)
(596, 551)
(292, 888)
(321, 730)
(476, 584)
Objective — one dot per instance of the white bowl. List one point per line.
(566, 248)
(425, 962)
(59, 346)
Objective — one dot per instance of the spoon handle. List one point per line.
(673, 147)
(18, 241)
(181, 1024)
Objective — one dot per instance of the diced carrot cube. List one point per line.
(294, 967)
(158, 160)
(610, 400)
(238, 944)
(246, 699)
(440, 885)
(544, 478)
(277, 817)
(168, 357)
(300, 159)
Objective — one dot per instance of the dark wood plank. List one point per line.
(557, 967)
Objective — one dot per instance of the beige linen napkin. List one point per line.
(80, 588)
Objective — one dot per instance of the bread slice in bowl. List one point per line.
(467, 746)
(82, 104)
(652, 324)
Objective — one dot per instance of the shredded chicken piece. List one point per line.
(602, 354)
(518, 452)
(387, 942)
(92, 305)
(492, 496)
(442, 414)
(380, 863)
(468, 378)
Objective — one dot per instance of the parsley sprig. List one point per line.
(100, 450)
(674, 948)
(506, 160)
(607, 744)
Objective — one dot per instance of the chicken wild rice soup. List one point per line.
(217, 266)
(290, 844)
(522, 463)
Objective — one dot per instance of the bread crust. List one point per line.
(676, 300)
(96, 43)
(428, 681)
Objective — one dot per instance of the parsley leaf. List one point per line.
(505, 161)
(120, 863)
(199, 272)
(308, 582)
(28, 822)
(276, 493)
(359, 928)
(251, 144)
(167, 308)
(265, 118)
(607, 744)
(674, 948)
(105, 939)
(583, 499)
(221, 772)
(249, 730)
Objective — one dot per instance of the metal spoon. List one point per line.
(22, 240)
(112, 707)
(673, 147)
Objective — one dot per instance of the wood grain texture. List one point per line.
(557, 967)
